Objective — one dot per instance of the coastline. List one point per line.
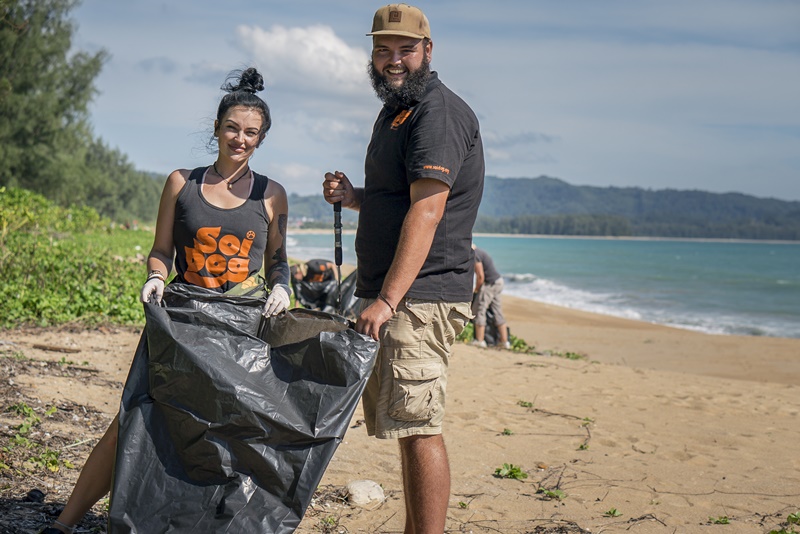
(319, 231)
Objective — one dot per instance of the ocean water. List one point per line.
(719, 287)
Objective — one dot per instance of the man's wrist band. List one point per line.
(156, 274)
(380, 296)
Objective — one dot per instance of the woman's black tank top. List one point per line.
(217, 248)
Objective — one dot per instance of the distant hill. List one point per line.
(551, 206)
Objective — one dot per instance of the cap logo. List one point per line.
(395, 16)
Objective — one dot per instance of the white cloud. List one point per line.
(310, 58)
(621, 92)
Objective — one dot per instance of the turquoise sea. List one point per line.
(719, 287)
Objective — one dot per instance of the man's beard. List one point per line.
(408, 93)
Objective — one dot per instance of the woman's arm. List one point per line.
(163, 252)
(276, 265)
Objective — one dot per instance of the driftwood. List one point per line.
(55, 348)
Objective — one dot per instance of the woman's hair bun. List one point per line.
(248, 80)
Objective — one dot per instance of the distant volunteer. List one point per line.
(488, 287)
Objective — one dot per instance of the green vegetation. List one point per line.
(721, 520)
(520, 345)
(552, 494)
(510, 471)
(568, 355)
(613, 512)
(46, 142)
(792, 519)
(507, 432)
(468, 334)
(86, 270)
(34, 456)
(517, 344)
(525, 404)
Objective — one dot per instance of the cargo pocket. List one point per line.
(415, 391)
(422, 311)
(411, 324)
(458, 317)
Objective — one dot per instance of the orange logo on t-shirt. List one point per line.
(401, 118)
(212, 262)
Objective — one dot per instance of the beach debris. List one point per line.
(55, 348)
(364, 492)
(34, 495)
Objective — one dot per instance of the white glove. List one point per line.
(277, 301)
(153, 290)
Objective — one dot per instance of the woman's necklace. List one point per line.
(228, 180)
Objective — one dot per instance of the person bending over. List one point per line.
(488, 286)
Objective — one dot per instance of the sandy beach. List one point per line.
(653, 429)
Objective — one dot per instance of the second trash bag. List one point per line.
(228, 420)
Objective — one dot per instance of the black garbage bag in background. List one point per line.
(492, 333)
(228, 422)
(324, 295)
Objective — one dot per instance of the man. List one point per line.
(423, 185)
(488, 286)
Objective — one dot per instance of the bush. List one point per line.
(62, 265)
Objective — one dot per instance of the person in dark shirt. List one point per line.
(488, 286)
(316, 270)
(423, 184)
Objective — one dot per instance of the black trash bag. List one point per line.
(324, 296)
(314, 295)
(347, 308)
(228, 422)
(492, 333)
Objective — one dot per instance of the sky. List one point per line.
(685, 94)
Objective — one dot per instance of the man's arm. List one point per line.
(428, 201)
(480, 276)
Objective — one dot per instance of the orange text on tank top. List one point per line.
(224, 259)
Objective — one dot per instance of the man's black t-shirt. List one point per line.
(438, 138)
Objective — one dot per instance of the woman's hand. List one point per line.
(152, 290)
(277, 301)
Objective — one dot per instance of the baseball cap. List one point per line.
(401, 19)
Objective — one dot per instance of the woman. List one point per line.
(220, 224)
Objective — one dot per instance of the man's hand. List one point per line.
(152, 291)
(372, 318)
(277, 301)
(337, 188)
